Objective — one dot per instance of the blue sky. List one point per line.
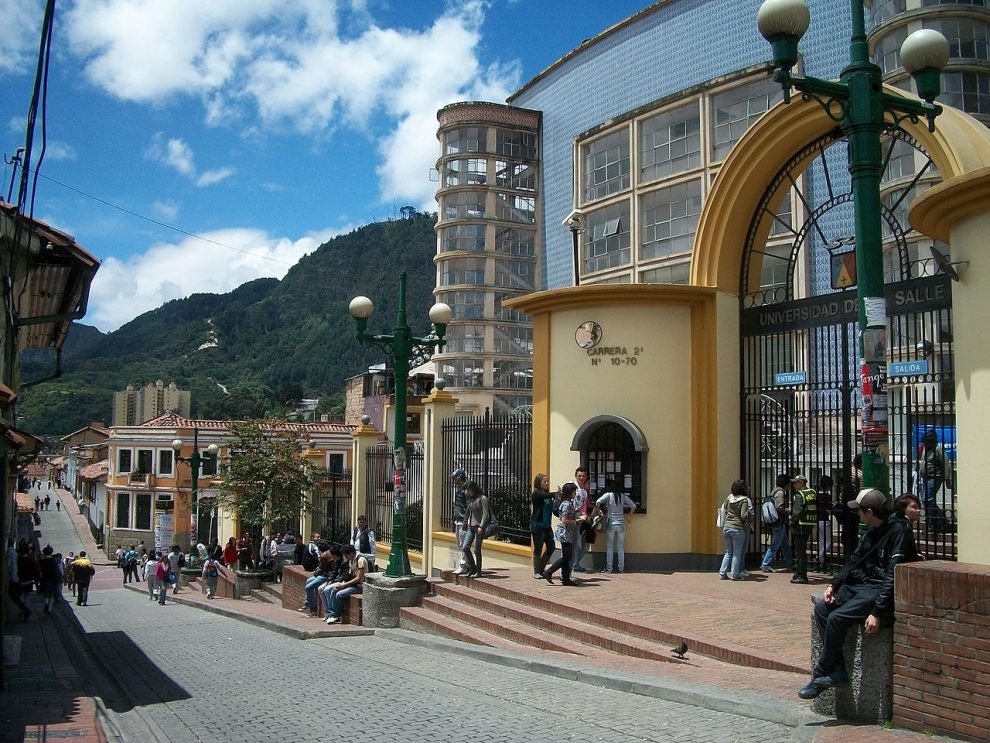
(264, 126)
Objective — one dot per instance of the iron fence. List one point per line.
(380, 503)
(496, 452)
(332, 506)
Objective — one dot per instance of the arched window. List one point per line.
(614, 448)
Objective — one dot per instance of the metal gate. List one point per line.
(800, 367)
(380, 503)
(332, 506)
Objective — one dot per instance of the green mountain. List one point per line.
(239, 353)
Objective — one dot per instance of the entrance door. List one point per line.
(800, 366)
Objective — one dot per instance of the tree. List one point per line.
(266, 479)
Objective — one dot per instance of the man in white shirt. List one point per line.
(363, 541)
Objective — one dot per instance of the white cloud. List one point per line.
(124, 289)
(177, 154)
(167, 211)
(312, 65)
(60, 151)
(19, 41)
(211, 177)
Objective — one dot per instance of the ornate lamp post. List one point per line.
(195, 460)
(861, 107)
(404, 350)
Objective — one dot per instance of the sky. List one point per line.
(195, 145)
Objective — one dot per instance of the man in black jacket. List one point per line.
(863, 591)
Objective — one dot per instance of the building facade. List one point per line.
(131, 407)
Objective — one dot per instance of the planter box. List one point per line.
(247, 581)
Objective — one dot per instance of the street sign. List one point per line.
(784, 379)
(907, 368)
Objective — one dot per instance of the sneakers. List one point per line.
(579, 569)
(767, 569)
(798, 579)
(459, 571)
(333, 619)
(538, 576)
(723, 576)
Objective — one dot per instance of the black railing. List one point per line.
(380, 500)
(495, 452)
(332, 506)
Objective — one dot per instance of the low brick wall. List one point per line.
(942, 649)
(294, 594)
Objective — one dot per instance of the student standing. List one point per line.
(618, 507)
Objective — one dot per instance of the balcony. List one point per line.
(143, 479)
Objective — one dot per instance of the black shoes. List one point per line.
(798, 579)
(820, 683)
(548, 577)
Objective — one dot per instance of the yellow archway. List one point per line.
(960, 145)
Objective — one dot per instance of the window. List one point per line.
(888, 50)
(165, 461)
(142, 511)
(782, 223)
(464, 205)
(466, 237)
(208, 464)
(737, 109)
(513, 339)
(670, 143)
(145, 460)
(606, 165)
(900, 163)
(514, 274)
(124, 461)
(967, 38)
(775, 267)
(668, 219)
(969, 91)
(466, 305)
(464, 372)
(505, 313)
(465, 338)
(520, 176)
(122, 517)
(884, 9)
(463, 271)
(466, 172)
(516, 144)
(678, 273)
(467, 139)
(515, 241)
(335, 462)
(929, 3)
(607, 238)
(513, 375)
(512, 208)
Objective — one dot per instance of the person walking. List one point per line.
(567, 534)
(161, 577)
(931, 473)
(151, 574)
(211, 574)
(479, 515)
(540, 524)
(618, 508)
(804, 520)
(779, 542)
(735, 529)
(82, 573)
(49, 578)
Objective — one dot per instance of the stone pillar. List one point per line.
(436, 409)
(869, 660)
(384, 597)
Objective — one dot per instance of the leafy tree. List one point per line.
(266, 479)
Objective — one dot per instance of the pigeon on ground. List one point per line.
(681, 651)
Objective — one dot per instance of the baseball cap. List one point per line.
(458, 474)
(800, 478)
(868, 498)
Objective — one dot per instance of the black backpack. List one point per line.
(309, 561)
(558, 498)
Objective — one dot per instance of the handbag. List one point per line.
(720, 516)
(492, 529)
(599, 522)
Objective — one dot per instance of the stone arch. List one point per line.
(959, 145)
(583, 433)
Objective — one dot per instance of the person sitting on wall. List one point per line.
(324, 570)
(863, 591)
(345, 589)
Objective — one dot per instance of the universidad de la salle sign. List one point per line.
(915, 295)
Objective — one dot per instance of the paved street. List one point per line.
(195, 676)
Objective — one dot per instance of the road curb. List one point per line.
(743, 703)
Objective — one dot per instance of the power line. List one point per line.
(161, 224)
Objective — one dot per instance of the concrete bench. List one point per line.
(869, 697)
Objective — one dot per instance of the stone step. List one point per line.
(564, 636)
(430, 622)
(263, 596)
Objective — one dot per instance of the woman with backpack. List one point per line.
(211, 574)
(618, 507)
(735, 530)
(775, 519)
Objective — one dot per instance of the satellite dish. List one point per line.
(942, 260)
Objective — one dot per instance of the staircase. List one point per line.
(269, 593)
(494, 616)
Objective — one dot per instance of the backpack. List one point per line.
(309, 561)
(182, 559)
(768, 511)
(211, 569)
(558, 498)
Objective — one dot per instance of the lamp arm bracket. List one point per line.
(423, 349)
(904, 109)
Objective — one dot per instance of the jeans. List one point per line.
(563, 563)
(313, 583)
(162, 590)
(778, 542)
(472, 558)
(337, 598)
(615, 536)
(543, 546)
(735, 543)
(852, 605)
(326, 595)
(934, 515)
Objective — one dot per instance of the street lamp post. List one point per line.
(195, 461)
(404, 350)
(861, 107)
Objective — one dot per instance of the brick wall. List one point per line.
(294, 594)
(942, 649)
